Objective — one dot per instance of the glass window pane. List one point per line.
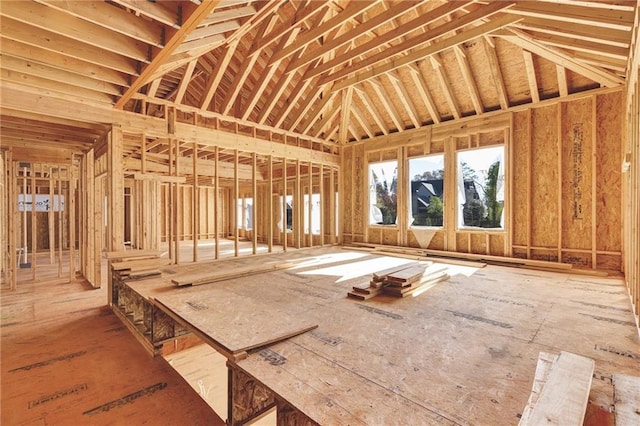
(426, 185)
(481, 188)
(383, 184)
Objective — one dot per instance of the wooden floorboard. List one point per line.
(67, 359)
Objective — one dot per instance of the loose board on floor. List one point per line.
(232, 322)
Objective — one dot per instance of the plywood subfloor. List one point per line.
(67, 359)
(464, 352)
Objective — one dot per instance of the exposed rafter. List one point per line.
(191, 23)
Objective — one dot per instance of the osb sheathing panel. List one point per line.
(476, 55)
(478, 242)
(431, 80)
(520, 189)
(577, 82)
(544, 177)
(359, 182)
(581, 123)
(515, 81)
(437, 243)
(347, 195)
(577, 259)
(577, 148)
(490, 138)
(457, 83)
(416, 150)
(546, 77)
(390, 236)
(608, 191)
(392, 99)
(462, 242)
(416, 99)
(496, 244)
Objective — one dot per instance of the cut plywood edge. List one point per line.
(236, 323)
(545, 360)
(626, 393)
(564, 394)
(228, 273)
(423, 236)
(132, 254)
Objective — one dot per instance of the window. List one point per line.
(244, 213)
(288, 216)
(426, 183)
(383, 184)
(481, 188)
(315, 214)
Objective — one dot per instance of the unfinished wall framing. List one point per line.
(631, 178)
(563, 184)
(40, 227)
(184, 192)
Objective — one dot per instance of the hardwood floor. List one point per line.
(67, 359)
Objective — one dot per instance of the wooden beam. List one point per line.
(276, 93)
(386, 102)
(186, 79)
(469, 80)
(370, 106)
(531, 76)
(559, 57)
(111, 18)
(594, 17)
(155, 11)
(243, 72)
(368, 68)
(347, 98)
(446, 88)
(400, 31)
(64, 46)
(191, 22)
(611, 37)
(37, 69)
(56, 60)
(214, 79)
(496, 72)
(365, 27)
(47, 18)
(358, 115)
(318, 111)
(353, 9)
(562, 80)
(266, 76)
(405, 98)
(423, 90)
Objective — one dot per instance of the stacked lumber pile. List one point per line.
(135, 269)
(401, 281)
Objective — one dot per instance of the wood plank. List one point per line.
(626, 399)
(228, 272)
(564, 398)
(132, 254)
(418, 287)
(545, 361)
(236, 323)
(190, 23)
(134, 264)
(381, 275)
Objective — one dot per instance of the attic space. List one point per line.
(291, 212)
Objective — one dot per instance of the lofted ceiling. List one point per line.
(337, 70)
